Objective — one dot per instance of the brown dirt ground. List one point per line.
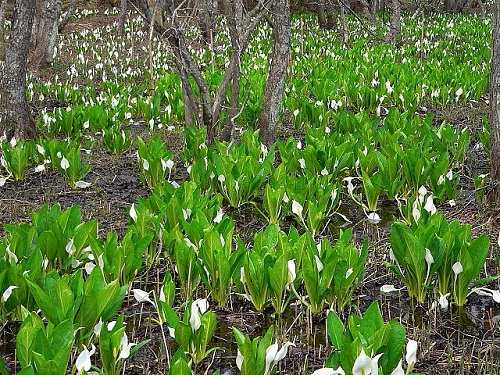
(458, 342)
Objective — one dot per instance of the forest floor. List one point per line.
(460, 341)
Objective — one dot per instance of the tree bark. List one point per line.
(67, 16)
(46, 33)
(3, 7)
(15, 118)
(123, 17)
(495, 95)
(395, 27)
(344, 27)
(275, 84)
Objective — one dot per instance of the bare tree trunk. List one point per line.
(15, 119)
(275, 84)
(495, 96)
(344, 29)
(206, 20)
(123, 17)
(395, 27)
(449, 5)
(71, 10)
(3, 7)
(46, 33)
(320, 11)
(331, 19)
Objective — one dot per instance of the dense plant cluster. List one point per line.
(361, 144)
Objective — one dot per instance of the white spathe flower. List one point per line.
(40, 149)
(457, 268)
(133, 213)
(373, 218)
(163, 165)
(273, 355)
(198, 307)
(415, 213)
(145, 164)
(142, 296)
(11, 255)
(495, 294)
(239, 359)
(348, 273)
(422, 190)
(186, 213)
(302, 163)
(64, 163)
(350, 186)
(362, 364)
(97, 327)
(3, 180)
(70, 247)
(125, 347)
(218, 217)
(329, 371)
(170, 164)
(7, 293)
(411, 353)
(221, 178)
(297, 208)
(171, 332)
(428, 257)
(82, 184)
(111, 325)
(319, 264)
(429, 205)
(40, 168)
(388, 288)
(83, 361)
(291, 271)
(398, 370)
(286, 200)
(388, 87)
(443, 301)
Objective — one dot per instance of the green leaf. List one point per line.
(3, 370)
(394, 349)
(53, 312)
(29, 370)
(335, 330)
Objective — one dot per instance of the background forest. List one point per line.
(197, 187)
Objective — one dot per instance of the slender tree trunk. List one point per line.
(344, 27)
(395, 27)
(67, 16)
(15, 119)
(275, 84)
(495, 96)
(234, 100)
(3, 7)
(331, 19)
(123, 17)
(321, 13)
(46, 33)
(450, 6)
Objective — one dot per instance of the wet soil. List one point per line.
(460, 341)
